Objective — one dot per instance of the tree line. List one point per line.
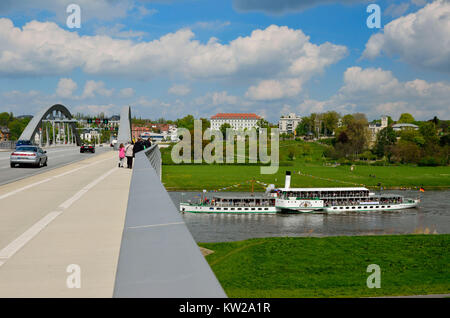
(349, 139)
(14, 124)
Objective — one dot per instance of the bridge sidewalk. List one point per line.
(70, 215)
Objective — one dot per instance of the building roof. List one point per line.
(404, 125)
(235, 116)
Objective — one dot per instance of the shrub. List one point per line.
(429, 161)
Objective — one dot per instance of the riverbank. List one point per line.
(238, 177)
(332, 266)
(309, 168)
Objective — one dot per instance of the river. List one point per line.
(433, 215)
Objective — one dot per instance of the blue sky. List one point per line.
(172, 58)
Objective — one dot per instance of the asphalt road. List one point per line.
(63, 223)
(57, 157)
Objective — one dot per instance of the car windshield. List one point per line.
(26, 149)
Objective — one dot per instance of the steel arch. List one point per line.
(33, 126)
(124, 134)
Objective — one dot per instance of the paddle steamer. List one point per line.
(338, 199)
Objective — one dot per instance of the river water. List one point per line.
(433, 215)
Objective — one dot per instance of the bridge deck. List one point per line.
(69, 215)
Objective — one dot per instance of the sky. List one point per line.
(170, 58)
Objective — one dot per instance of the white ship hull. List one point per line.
(197, 208)
(375, 207)
(298, 206)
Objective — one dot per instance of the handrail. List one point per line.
(158, 256)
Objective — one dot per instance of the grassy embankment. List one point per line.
(332, 266)
(309, 160)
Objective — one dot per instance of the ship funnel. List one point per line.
(287, 183)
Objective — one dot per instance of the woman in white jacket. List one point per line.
(129, 155)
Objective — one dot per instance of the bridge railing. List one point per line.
(158, 255)
(154, 157)
(8, 144)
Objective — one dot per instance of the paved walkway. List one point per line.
(69, 215)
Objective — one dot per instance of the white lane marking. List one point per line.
(154, 225)
(80, 193)
(19, 242)
(13, 247)
(48, 179)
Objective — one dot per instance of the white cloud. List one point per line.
(108, 109)
(180, 90)
(375, 92)
(274, 89)
(276, 52)
(420, 2)
(66, 87)
(211, 25)
(118, 31)
(421, 38)
(126, 92)
(92, 88)
(218, 99)
(396, 10)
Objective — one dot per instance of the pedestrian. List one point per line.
(147, 143)
(121, 155)
(138, 146)
(129, 154)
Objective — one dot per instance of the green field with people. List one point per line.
(332, 266)
(310, 168)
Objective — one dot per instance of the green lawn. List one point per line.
(213, 177)
(310, 162)
(332, 266)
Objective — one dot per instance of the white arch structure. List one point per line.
(52, 113)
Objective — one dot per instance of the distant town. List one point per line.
(350, 137)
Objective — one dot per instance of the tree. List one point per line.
(412, 135)
(15, 128)
(385, 138)
(357, 133)
(205, 124)
(405, 152)
(330, 120)
(406, 118)
(186, 122)
(223, 128)
(342, 138)
(303, 127)
(105, 136)
(291, 153)
(428, 130)
(5, 118)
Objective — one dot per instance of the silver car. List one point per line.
(28, 155)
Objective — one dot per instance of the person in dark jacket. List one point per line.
(138, 146)
(147, 143)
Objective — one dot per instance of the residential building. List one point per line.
(288, 124)
(237, 121)
(4, 133)
(376, 127)
(399, 127)
(137, 131)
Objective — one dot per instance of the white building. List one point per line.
(288, 124)
(375, 128)
(400, 127)
(235, 120)
(91, 135)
